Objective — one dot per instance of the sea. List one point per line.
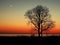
(29, 34)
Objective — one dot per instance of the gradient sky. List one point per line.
(12, 14)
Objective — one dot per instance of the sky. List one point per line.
(12, 19)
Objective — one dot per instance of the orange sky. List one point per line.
(26, 29)
(15, 29)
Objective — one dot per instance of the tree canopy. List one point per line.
(40, 18)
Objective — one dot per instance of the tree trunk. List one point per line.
(38, 29)
(38, 24)
(41, 30)
(41, 33)
(38, 32)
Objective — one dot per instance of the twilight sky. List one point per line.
(12, 14)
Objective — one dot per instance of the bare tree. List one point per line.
(40, 18)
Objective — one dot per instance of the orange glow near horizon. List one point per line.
(27, 30)
(15, 30)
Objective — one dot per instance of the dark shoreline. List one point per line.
(30, 40)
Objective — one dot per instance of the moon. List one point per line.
(10, 5)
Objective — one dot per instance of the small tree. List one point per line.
(40, 18)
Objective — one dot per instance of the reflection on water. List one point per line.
(28, 35)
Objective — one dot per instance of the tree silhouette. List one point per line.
(40, 18)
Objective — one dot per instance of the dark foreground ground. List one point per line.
(30, 40)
